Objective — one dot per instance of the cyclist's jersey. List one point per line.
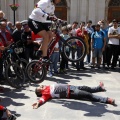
(42, 10)
(55, 91)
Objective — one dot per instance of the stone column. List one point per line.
(74, 11)
(92, 10)
(83, 10)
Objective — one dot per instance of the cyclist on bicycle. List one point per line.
(38, 22)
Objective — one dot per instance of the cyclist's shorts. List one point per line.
(37, 26)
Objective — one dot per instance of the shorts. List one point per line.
(97, 53)
(36, 26)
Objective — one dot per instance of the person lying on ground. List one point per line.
(58, 91)
(4, 109)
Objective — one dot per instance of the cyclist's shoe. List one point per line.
(111, 101)
(102, 87)
(46, 61)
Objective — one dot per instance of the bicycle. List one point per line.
(36, 70)
(13, 71)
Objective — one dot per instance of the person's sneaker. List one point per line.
(111, 101)
(102, 87)
(49, 74)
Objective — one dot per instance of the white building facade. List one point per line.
(71, 10)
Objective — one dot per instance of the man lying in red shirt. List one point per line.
(70, 92)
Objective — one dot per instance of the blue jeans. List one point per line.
(54, 59)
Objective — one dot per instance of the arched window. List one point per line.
(114, 3)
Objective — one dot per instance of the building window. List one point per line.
(114, 3)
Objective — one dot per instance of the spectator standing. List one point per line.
(64, 62)
(105, 30)
(17, 32)
(72, 32)
(2, 15)
(98, 42)
(113, 44)
(27, 36)
(10, 27)
(5, 40)
(81, 32)
(89, 30)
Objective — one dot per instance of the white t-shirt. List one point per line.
(42, 10)
(113, 31)
(73, 32)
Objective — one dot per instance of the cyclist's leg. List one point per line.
(46, 40)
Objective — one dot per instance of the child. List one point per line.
(64, 62)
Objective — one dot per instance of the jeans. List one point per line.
(79, 64)
(85, 93)
(54, 59)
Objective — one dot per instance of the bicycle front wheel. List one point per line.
(36, 71)
(14, 75)
(74, 49)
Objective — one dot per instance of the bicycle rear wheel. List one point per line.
(14, 75)
(74, 49)
(36, 71)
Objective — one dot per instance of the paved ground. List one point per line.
(20, 101)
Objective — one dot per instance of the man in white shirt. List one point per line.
(113, 44)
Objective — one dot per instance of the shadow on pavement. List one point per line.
(96, 109)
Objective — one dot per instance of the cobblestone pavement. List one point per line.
(20, 101)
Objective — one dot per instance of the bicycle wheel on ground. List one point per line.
(74, 49)
(36, 71)
(15, 75)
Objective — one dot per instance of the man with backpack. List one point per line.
(98, 43)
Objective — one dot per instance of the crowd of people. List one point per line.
(102, 43)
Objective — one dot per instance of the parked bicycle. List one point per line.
(14, 66)
(36, 70)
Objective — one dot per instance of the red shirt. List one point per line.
(79, 34)
(8, 36)
(2, 108)
(54, 91)
(35, 36)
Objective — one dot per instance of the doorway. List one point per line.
(114, 10)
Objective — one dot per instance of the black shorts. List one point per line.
(36, 26)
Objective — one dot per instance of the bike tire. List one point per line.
(71, 45)
(23, 64)
(36, 76)
(14, 75)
